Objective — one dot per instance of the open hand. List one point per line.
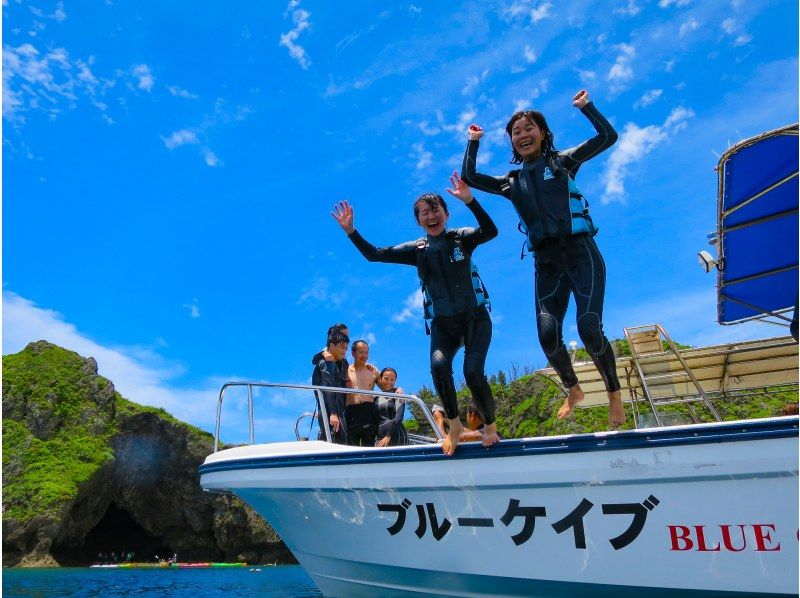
(475, 132)
(384, 441)
(343, 214)
(460, 189)
(581, 99)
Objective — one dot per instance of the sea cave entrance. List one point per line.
(115, 538)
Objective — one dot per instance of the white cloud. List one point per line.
(412, 308)
(422, 156)
(145, 77)
(668, 3)
(415, 10)
(33, 81)
(181, 93)
(530, 55)
(733, 29)
(194, 308)
(210, 157)
(586, 77)
(649, 97)
(59, 15)
(473, 81)
(669, 65)
(540, 12)
(301, 23)
(633, 145)
(621, 72)
(138, 373)
(691, 24)
(179, 138)
(631, 10)
(320, 292)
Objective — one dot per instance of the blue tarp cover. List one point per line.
(759, 240)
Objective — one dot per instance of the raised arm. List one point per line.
(405, 253)
(487, 230)
(469, 173)
(605, 138)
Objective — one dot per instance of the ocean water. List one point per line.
(285, 581)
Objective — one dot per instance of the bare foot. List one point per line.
(451, 440)
(616, 412)
(574, 397)
(490, 436)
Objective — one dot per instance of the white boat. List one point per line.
(707, 509)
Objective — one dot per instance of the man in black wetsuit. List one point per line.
(333, 373)
(455, 296)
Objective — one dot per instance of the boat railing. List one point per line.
(320, 407)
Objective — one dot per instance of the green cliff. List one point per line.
(86, 471)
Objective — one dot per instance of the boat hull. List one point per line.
(707, 510)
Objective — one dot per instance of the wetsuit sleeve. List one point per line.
(483, 182)
(325, 369)
(486, 231)
(397, 254)
(388, 428)
(605, 138)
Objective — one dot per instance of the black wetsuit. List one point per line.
(458, 320)
(362, 423)
(331, 373)
(565, 262)
(390, 420)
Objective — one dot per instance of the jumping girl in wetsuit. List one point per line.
(444, 263)
(560, 233)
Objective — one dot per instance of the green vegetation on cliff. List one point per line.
(59, 417)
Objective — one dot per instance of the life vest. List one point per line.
(462, 261)
(551, 217)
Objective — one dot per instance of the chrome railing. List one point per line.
(317, 390)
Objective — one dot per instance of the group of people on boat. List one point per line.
(358, 419)
(555, 218)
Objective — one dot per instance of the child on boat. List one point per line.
(443, 259)
(560, 232)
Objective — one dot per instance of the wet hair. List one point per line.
(356, 343)
(388, 370)
(473, 409)
(548, 149)
(337, 328)
(433, 200)
(336, 337)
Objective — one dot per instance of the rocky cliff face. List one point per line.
(87, 472)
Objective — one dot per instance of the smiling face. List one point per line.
(360, 352)
(387, 380)
(430, 210)
(526, 138)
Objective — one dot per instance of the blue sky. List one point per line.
(170, 168)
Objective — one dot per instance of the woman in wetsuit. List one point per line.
(443, 259)
(560, 233)
(390, 412)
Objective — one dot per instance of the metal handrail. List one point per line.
(318, 390)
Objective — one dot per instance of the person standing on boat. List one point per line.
(333, 373)
(454, 296)
(390, 411)
(362, 426)
(324, 353)
(560, 232)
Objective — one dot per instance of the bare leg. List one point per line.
(451, 440)
(616, 412)
(574, 397)
(490, 436)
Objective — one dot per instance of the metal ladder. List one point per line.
(657, 378)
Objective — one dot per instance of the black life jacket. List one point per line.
(551, 208)
(463, 266)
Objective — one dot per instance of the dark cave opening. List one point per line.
(115, 538)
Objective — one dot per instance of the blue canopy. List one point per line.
(757, 230)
